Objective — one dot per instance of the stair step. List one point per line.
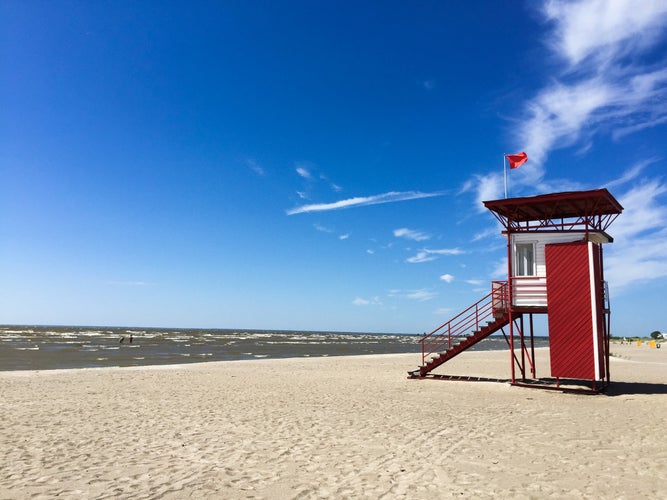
(460, 343)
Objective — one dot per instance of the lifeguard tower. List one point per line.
(555, 267)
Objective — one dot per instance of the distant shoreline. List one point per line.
(45, 348)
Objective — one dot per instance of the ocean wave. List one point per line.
(74, 347)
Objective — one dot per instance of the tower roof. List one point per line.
(556, 206)
(596, 208)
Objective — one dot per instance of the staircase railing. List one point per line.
(468, 321)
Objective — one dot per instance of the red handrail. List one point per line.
(467, 321)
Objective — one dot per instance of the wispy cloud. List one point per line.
(601, 31)
(344, 236)
(322, 229)
(360, 201)
(632, 172)
(557, 115)
(359, 301)
(448, 278)
(488, 187)
(499, 270)
(427, 255)
(639, 251)
(334, 187)
(411, 234)
(255, 167)
(642, 211)
(601, 85)
(128, 283)
(485, 234)
(304, 172)
(598, 88)
(313, 179)
(631, 129)
(421, 295)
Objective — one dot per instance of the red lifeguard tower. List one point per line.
(555, 267)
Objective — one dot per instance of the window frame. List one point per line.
(520, 266)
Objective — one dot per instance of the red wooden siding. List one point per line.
(570, 311)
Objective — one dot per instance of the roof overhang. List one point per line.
(595, 209)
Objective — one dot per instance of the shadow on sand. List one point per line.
(574, 386)
(625, 388)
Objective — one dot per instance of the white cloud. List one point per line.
(411, 234)
(446, 251)
(422, 256)
(641, 211)
(601, 87)
(303, 172)
(344, 236)
(486, 233)
(620, 132)
(499, 270)
(597, 89)
(254, 166)
(636, 261)
(603, 29)
(488, 187)
(365, 302)
(565, 114)
(639, 251)
(128, 283)
(631, 173)
(557, 115)
(447, 278)
(421, 295)
(360, 201)
(322, 229)
(427, 255)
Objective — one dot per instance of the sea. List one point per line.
(62, 347)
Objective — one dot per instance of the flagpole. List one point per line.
(516, 161)
(505, 172)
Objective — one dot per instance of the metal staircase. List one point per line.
(483, 318)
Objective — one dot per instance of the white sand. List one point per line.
(343, 427)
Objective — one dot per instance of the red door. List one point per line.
(572, 310)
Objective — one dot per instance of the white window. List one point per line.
(524, 261)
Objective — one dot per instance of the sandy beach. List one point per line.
(333, 427)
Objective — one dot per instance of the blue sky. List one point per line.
(315, 165)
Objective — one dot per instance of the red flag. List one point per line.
(517, 160)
